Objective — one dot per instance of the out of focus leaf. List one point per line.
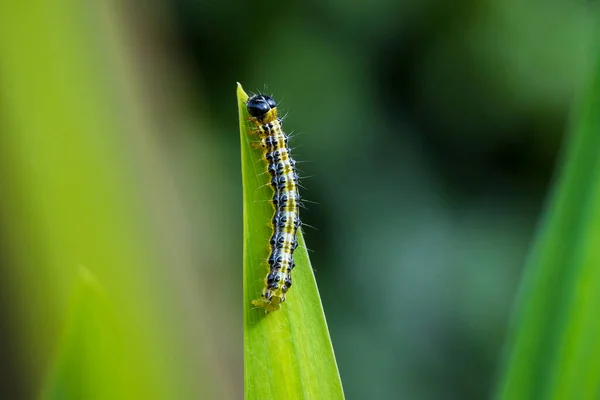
(553, 350)
(75, 192)
(85, 366)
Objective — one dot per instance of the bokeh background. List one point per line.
(428, 133)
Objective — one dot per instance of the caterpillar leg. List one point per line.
(271, 305)
(260, 144)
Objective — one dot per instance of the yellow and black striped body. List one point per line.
(284, 181)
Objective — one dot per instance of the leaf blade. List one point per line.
(287, 353)
(553, 352)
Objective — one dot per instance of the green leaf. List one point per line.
(553, 348)
(91, 338)
(79, 189)
(287, 353)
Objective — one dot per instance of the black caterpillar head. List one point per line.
(259, 105)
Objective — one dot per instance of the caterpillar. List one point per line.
(286, 199)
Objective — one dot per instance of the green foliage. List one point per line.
(72, 170)
(554, 351)
(92, 337)
(287, 353)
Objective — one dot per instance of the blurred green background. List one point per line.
(428, 133)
